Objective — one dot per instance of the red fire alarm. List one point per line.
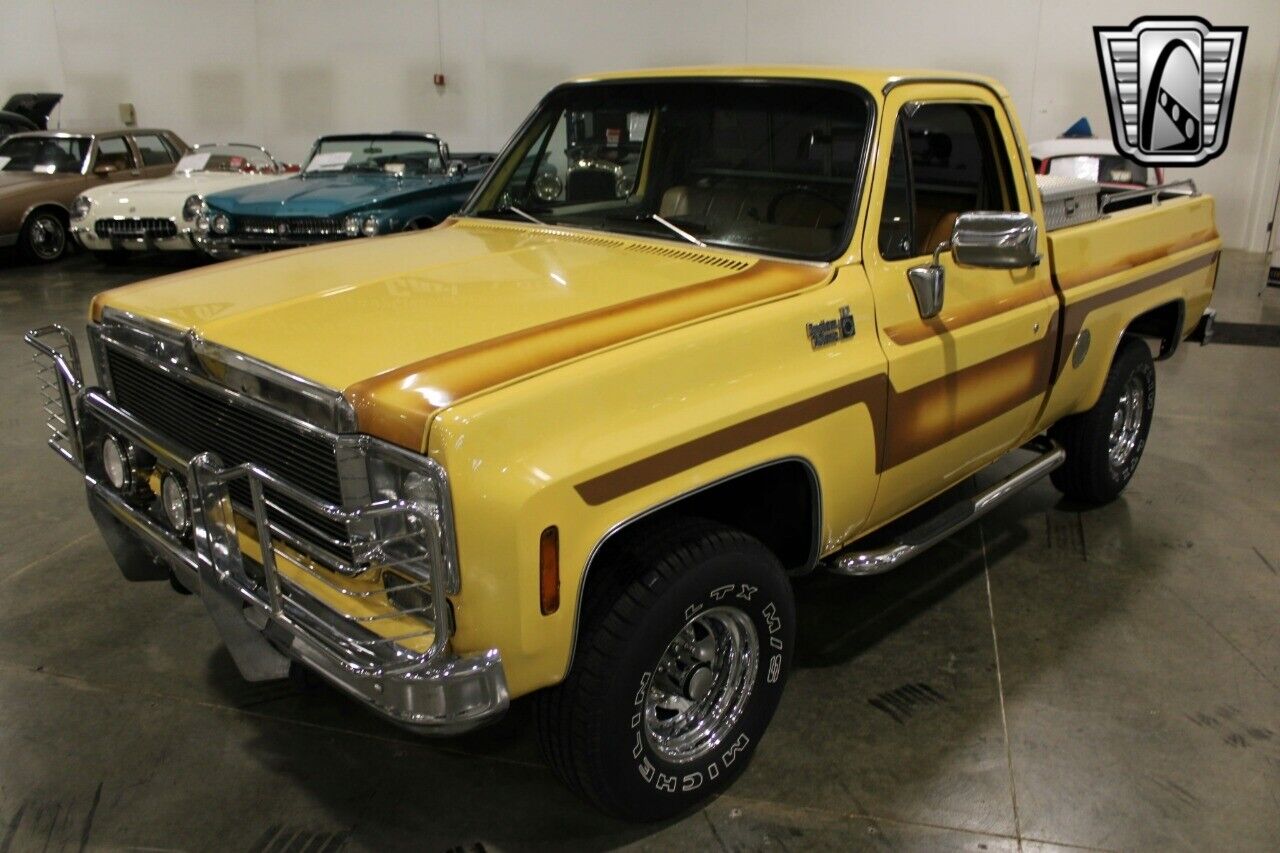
(438, 79)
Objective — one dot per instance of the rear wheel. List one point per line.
(679, 667)
(1105, 444)
(43, 238)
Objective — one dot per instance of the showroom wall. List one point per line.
(283, 71)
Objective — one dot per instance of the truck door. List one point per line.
(965, 385)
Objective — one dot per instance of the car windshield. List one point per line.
(1105, 169)
(227, 158)
(770, 167)
(46, 154)
(394, 155)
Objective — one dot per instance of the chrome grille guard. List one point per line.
(323, 620)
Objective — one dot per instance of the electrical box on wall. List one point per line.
(438, 79)
(128, 115)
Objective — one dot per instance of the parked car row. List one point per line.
(122, 192)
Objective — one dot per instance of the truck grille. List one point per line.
(201, 420)
(139, 227)
(293, 226)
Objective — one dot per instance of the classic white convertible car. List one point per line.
(114, 220)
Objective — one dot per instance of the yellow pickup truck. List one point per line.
(698, 332)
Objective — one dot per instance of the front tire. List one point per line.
(681, 661)
(43, 238)
(1105, 443)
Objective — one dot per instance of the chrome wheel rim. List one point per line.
(48, 238)
(1126, 423)
(700, 687)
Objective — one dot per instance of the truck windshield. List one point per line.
(393, 155)
(770, 167)
(47, 154)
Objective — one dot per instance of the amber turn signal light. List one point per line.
(549, 570)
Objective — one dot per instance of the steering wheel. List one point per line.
(771, 213)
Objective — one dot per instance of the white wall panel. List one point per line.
(284, 71)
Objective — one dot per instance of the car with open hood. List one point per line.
(356, 185)
(42, 172)
(117, 220)
(27, 111)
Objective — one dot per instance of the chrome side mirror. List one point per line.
(927, 283)
(994, 240)
(456, 169)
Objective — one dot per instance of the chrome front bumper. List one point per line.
(240, 246)
(269, 620)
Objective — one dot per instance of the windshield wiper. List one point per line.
(676, 229)
(518, 212)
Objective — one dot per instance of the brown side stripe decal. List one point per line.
(870, 392)
(937, 411)
(916, 330)
(1075, 313)
(1082, 277)
(923, 418)
(445, 378)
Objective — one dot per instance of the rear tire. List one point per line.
(43, 238)
(1105, 443)
(680, 663)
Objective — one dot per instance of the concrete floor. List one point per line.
(1054, 678)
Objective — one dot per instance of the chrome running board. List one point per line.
(859, 563)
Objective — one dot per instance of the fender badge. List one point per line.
(826, 332)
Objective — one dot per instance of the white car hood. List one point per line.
(164, 197)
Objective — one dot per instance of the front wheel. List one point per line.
(43, 238)
(680, 665)
(1105, 444)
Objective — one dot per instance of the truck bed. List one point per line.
(1153, 257)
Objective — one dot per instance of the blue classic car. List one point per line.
(359, 185)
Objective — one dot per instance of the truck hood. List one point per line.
(323, 194)
(409, 324)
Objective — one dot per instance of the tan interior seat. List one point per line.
(940, 232)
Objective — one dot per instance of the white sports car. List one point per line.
(114, 220)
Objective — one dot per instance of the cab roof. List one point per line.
(874, 80)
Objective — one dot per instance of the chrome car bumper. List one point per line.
(238, 246)
(268, 620)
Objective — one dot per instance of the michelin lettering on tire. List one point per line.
(724, 756)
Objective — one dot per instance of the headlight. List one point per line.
(80, 207)
(370, 228)
(175, 504)
(352, 226)
(202, 223)
(117, 464)
(398, 476)
(221, 223)
(191, 208)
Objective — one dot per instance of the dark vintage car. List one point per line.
(41, 173)
(358, 185)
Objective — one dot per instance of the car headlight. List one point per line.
(351, 225)
(80, 207)
(370, 227)
(221, 223)
(191, 208)
(397, 476)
